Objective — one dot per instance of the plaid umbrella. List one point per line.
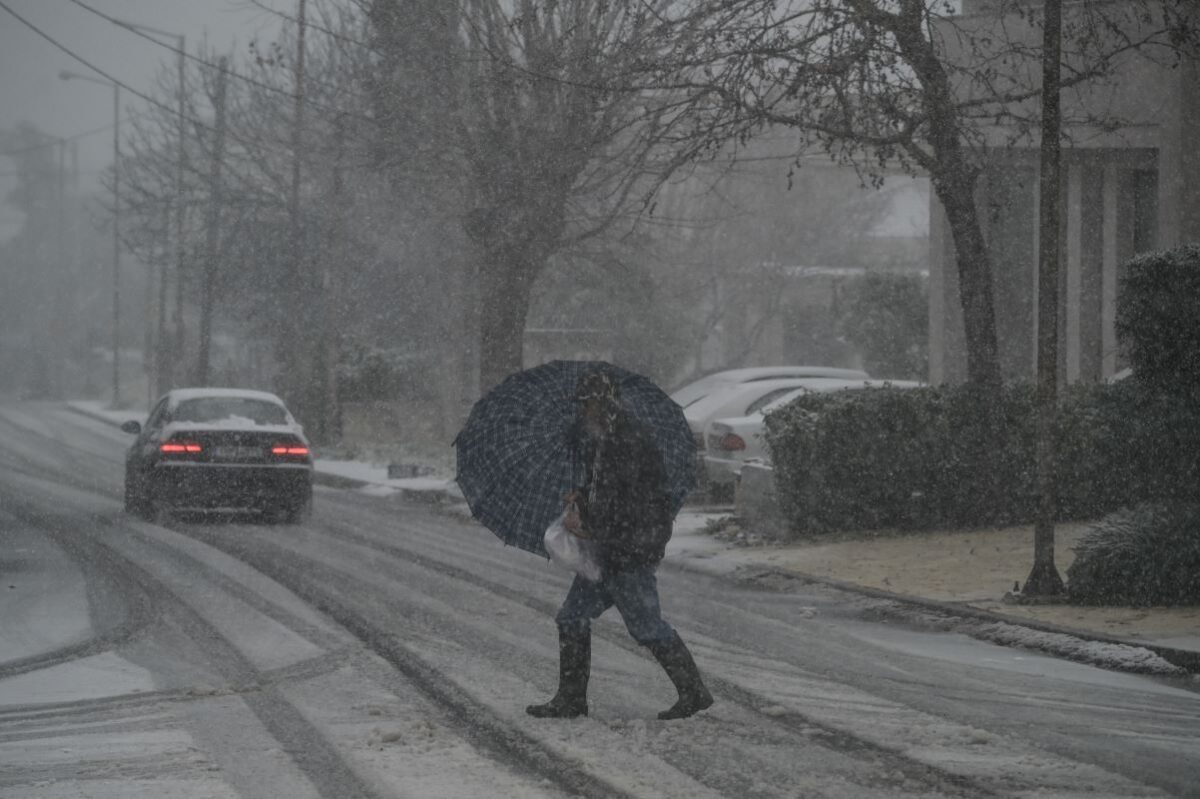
(515, 459)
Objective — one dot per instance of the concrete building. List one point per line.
(1125, 191)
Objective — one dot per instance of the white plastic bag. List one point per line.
(571, 551)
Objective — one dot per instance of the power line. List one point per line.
(198, 123)
(5, 7)
(204, 62)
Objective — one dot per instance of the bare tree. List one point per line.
(547, 148)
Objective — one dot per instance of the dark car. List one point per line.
(219, 449)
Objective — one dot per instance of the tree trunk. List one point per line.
(503, 308)
(954, 182)
(975, 289)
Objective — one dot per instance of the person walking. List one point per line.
(624, 507)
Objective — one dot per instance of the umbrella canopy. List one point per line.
(516, 461)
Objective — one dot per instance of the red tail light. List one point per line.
(176, 447)
(289, 449)
(732, 442)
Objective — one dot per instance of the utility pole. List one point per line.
(1044, 579)
(116, 326)
(116, 224)
(162, 357)
(149, 339)
(212, 243)
(326, 401)
(66, 281)
(164, 363)
(293, 345)
(180, 210)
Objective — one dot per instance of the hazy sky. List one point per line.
(30, 89)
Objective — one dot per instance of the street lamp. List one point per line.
(116, 273)
(162, 361)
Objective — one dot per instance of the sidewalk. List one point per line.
(949, 578)
(966, 574)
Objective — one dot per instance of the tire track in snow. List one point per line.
(286, 566)
(316, 757)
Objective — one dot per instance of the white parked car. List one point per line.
(731, 442)
(740, 399)
(708, 384)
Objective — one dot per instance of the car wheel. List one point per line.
(299, 513)
(294, 513)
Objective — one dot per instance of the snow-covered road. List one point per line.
(388, 650)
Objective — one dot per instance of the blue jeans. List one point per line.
(633, 591)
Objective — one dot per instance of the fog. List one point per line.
(335, 252)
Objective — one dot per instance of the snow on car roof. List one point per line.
(230, 423)
(705, 406)
(751, 372)
(696, 390)
(178, 395)
(830, 385)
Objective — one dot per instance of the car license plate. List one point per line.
(233, 453)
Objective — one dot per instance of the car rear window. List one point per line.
(767, 399)
(218, 409)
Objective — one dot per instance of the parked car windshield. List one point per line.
(216, 409)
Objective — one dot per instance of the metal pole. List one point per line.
(179, 221)
(65, 278)
(161, 357)
(116, 276)
(1044, 579)
(212, 243)
(295, 339)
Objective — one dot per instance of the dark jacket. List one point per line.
(626, 508)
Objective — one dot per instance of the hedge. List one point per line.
(955, 456)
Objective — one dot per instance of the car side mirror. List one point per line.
(132, 427)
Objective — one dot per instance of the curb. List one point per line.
(1182, 659)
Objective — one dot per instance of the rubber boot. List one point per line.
(677, 661)
(574, 668)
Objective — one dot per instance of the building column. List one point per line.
(1108, 275)
(1074, 256)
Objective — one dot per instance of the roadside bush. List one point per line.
(1147, 555)
(953, 456)
(1157, 323)
(903, 458)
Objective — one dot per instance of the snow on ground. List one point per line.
(374, 475)
(403, 745)
(974, 567)
(95, 677)
(45, 598)
(102, 409)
